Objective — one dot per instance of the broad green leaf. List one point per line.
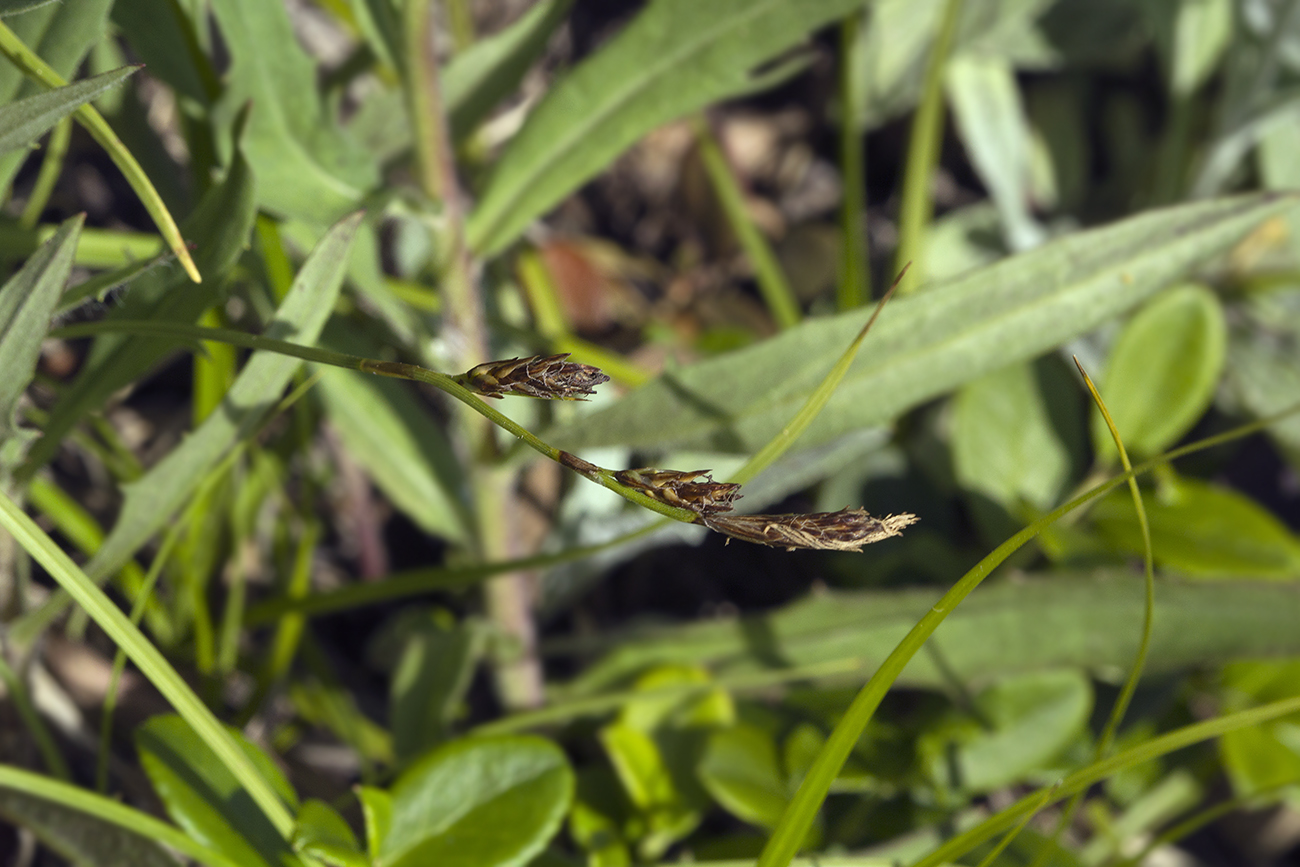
(482, 75)
(23, 122)
(1007, 432)
(1031, 719)
(201, 795)
(600, 811)
(83, 840)
(396, 439)
(61, 33)
(1162, 371)
(151, 500)
(430, 680)
(1206, 531)
(927, 343)
(991, 120)
(675, 57)
(306, 166)
(739, 769)
(323, 834)
(220, 226)
(1260, 757)
(1086, 620)
(27, 301)
(652, 712)
(478, 802)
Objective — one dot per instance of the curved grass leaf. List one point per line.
(27, 301)
(28, 798)
(61, 34)
(82, 839)
(928, 343)
(151, 500)
(221, 225)
(202, 796)
(306, 167)
(146, 657)
(23, 122)
(676, 57)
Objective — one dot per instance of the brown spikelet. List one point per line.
(548, 377)
(677, 488)
(845, 530)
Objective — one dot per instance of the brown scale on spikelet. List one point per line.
(845, 530)
(548, 377)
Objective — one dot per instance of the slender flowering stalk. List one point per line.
(548, 377)
(680, 489)
(845, 530)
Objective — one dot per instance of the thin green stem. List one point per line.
(1020, 826)
(854, 287)
(394, 369)
(923, 148)
(772, 283)
(51, 165)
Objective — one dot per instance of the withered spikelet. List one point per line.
(845, 530)
(548, 377)
(678, 488)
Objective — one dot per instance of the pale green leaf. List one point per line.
(925, 344)
(23, 122)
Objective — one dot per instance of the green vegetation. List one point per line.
(358, 365)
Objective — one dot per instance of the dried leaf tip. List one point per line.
(548, 377)
(845, 530)
(678, 488)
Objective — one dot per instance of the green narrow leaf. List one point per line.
(151, 500)
(27, 301)
(1162, 371)
(483, 802)
(23, 122)
(220, 225)
(430, 680)
(61, 34)
(122, 838)
(1065, 619)
(482, 75)
(926, 344)
(1205, 530)
(306, 166)
(202, 796)
(991, 120)
(676, 57)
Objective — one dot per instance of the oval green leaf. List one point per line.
(478, 803)
(1162, 371)
(739, 769)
